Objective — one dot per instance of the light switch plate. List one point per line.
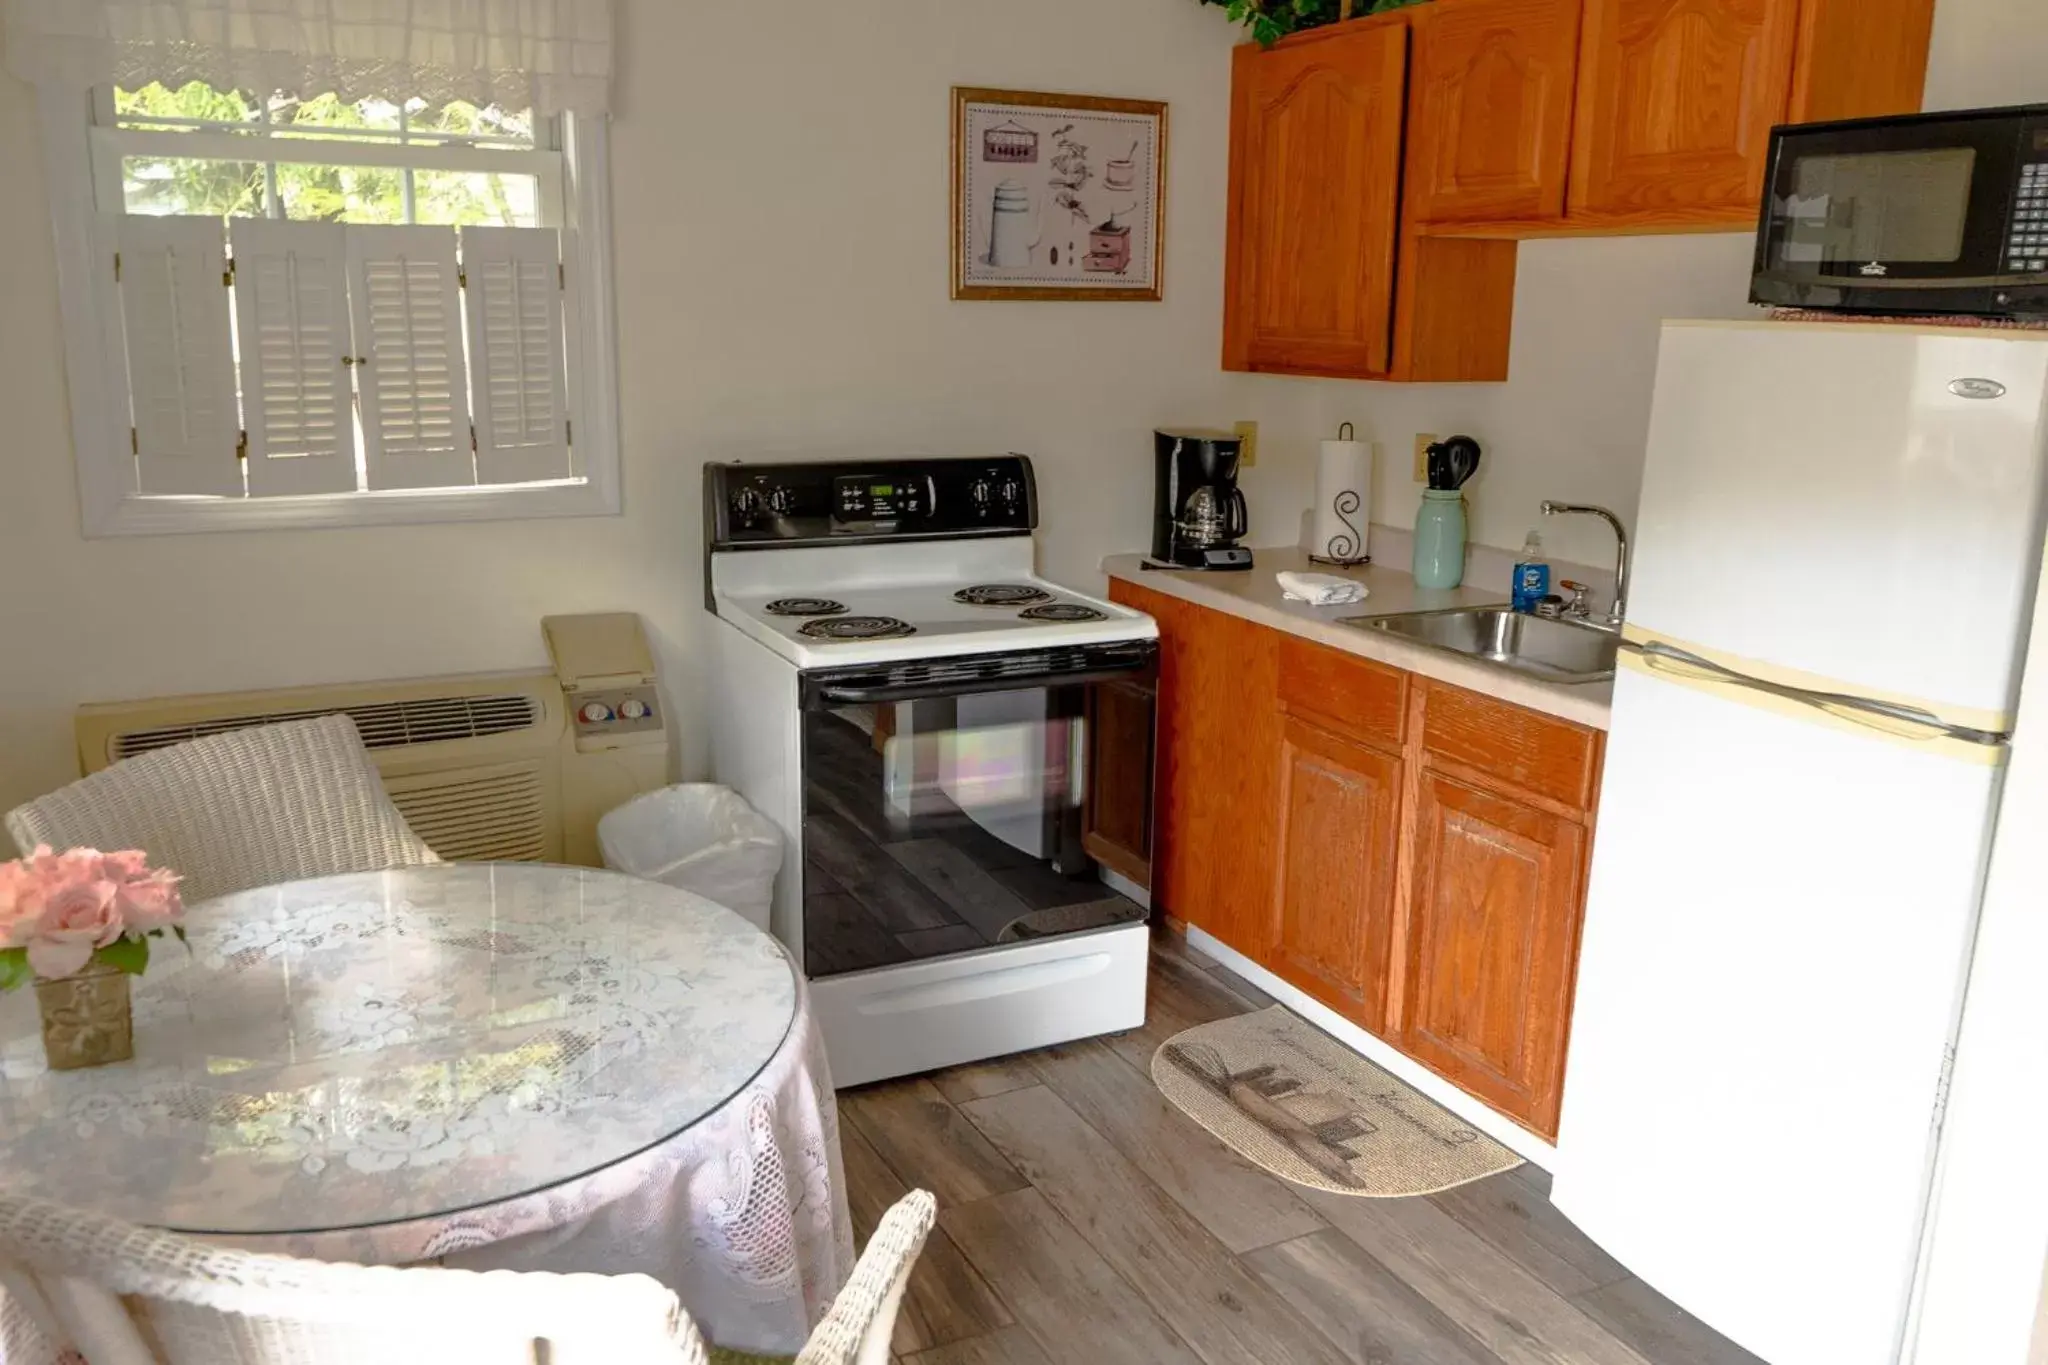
(1248, 453)
(1423, 441)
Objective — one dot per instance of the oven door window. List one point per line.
(946, 824)
(1846, 208)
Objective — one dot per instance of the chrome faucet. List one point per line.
(1620, 611)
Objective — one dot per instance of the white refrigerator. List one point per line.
(1837, 553)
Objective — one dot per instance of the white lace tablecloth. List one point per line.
(489, 1065)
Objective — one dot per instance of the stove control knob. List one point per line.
(1013, 492)
(632, 708)
(746, 503)
(781, 501)
(594, 712)
(980, 491)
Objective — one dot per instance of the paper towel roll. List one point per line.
(1343, 512)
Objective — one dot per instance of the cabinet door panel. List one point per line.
(1492, 940)
(1215, 804)
(1490, 109)
(1315, 184)
(1676, 103)
(1340, 808)
(1117, 823)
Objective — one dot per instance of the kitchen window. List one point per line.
(291, 310)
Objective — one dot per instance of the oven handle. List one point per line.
(836, 695)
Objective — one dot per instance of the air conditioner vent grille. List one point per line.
(480, 815)
(384, 725)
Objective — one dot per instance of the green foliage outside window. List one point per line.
(307, 191)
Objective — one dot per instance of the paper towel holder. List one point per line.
(1345, 549)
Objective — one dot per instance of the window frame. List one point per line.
(96, 363)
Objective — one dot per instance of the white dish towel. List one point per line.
(1320, 589)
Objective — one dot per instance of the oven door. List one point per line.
(1899, 216)
(942, 805)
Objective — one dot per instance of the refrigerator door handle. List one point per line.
(1891, 718)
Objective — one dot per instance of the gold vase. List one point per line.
(87, 1020)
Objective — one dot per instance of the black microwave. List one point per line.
(1920, 213)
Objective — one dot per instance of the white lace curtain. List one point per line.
(549, 55)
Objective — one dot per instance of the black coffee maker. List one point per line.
(1198, 514)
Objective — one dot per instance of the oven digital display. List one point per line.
(877, 500)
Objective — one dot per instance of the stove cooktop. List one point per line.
(884, 621)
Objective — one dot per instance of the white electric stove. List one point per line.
(897, 689)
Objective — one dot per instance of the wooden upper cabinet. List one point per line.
(1677, 99)
(1860, 58)
(1492, 945)
(1340, 816)
(1315, 177)
(1490, 109)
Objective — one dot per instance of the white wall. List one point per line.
(780, 182)
(1569, 423)
(780, 190)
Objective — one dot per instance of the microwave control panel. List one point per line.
(2026, 244)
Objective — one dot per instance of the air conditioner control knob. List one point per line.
(595, 711)
(632, 708)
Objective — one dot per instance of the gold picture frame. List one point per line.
(1019, 161)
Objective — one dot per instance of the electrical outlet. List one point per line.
(1248, 453)
(1423, 441)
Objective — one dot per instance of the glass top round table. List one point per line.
(368, 1049)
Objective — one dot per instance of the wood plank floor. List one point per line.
(1084, 1219)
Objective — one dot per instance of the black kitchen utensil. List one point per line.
(1453, 462)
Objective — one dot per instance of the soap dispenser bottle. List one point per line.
(1532, 575)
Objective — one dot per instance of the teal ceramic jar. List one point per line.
(1440, 539)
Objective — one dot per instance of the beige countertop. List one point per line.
(1255, 596)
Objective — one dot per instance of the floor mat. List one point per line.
(1286, 1096)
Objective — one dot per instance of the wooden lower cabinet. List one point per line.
(1116, 816)
(1214, 802)
(1333, 906)
(1492, 943)
(1411, 854)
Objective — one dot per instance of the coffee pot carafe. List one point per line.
(1198, 512)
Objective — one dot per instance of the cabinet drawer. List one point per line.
(1545, 757)
(1355, 697)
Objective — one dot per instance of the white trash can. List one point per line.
(700, 837)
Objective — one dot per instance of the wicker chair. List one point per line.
(123, 1295)
(273, 803)
(863, 1317)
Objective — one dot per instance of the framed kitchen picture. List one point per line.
(1057, 196)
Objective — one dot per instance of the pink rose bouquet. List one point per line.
(59, 911)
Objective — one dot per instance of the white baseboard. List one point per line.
(1505, 1131)
(1125, 887)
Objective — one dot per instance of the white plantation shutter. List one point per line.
(407, 307)
(291, 306)
(514, 307)
(181, 365)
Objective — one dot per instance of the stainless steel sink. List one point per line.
(1556, 651)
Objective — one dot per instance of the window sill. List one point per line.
(139, 516)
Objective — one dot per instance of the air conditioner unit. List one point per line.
(475, 763)
(493, 766)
